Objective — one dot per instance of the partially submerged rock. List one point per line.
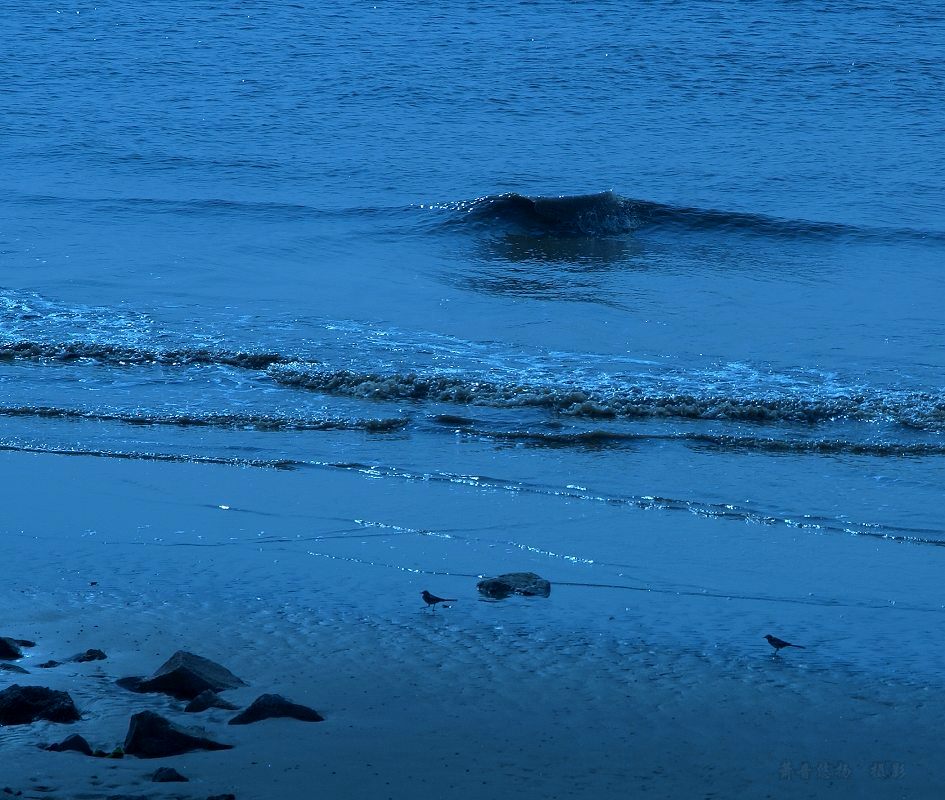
(20, 705)
(208, 699)
(152, 736)
(89, 655)
(13, 668)
(10, 647)
(78, 658)
(118, 752)
(273, 705)
(74, 742)
(184, 676)
(524, 583)
(168, 775)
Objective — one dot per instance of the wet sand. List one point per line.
(306, 583)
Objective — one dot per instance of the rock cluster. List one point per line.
(184, 676)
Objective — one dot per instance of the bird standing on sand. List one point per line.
(779, 644)
(431, 599)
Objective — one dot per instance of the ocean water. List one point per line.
(674, 257)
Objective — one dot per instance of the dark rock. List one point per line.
(222, 797)
(9, 649)
(8, 790)
(131, 684)
(168, 775)
(78, 658)
(525, 583)
(152, 736)
(116, 753)
(20, 705)
(12, 646)
(88, 655)
(274, 705)
(184, 676)
(13, 668)
(74, 742)
(206, 700)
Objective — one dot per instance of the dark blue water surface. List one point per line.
(676, 249)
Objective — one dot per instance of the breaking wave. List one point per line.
(256, 422)
(608, 214)
(120, 355)
(603, 214)
(920, 410)
(603, 439)
(584, 395)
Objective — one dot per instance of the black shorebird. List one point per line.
(780, 644)
(431, 599)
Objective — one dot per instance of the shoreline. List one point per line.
(578, 695)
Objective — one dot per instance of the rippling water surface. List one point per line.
(679, 256)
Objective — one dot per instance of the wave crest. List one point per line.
(919, 410)
(122, 355)
(605, 214)
(601, 214)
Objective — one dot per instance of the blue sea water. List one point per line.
(680, 255)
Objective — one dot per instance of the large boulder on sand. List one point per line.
(152, 736)
(184, 676)
(20, 705)
(525, 583)
(273, 705)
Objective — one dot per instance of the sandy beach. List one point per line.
(306, 583)
(307, 308)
